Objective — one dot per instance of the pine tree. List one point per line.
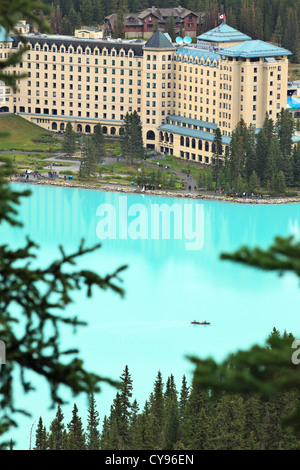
(69, 140)
(119, 25)
(93, 434)
(86, 12)
(170, 27)
(262, 150)
(57, 431)
(66, 27)
(238, 151)
(230, 422)
(76, 437)
(133, 424)
(132, 140)
(280, 186)
(285, 128)
(296, 164)
(157, 410)
(105, 434)
(115, 419)
(194, 430)
(125, 407)
(99, 144)
(41, 436)
(171, 427)
(184, 394)
(217, 155)
(88, 164)
(254, 182)
(274, 161)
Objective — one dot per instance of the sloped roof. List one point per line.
(183, 12)
(159, 41)
(4, 36)
(189, 51)
(192, 133)
(253, 48)
(194, 122)
(223, 33)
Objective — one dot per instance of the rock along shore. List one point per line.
(164, 193)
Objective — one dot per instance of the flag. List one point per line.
(221, 17)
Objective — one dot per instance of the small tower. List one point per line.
(157, 99)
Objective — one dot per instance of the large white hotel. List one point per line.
(181, 92)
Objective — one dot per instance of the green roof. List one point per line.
(223, 33)
(159, 41)
(193, 122)
(192, 133)
(4, 36)
(253, 48)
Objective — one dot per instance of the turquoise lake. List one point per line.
(167, 286)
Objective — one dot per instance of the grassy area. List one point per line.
(183, 166)
(18, 134)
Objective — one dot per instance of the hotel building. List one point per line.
(181, 92)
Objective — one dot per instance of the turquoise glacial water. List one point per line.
(167, 285)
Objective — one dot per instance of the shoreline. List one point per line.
(162, 193)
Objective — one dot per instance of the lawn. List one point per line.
(18, 134)
(175, 163)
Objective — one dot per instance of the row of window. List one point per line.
(78, 50)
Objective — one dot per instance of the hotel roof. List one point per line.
(193, 122)
(253, 48)
(135, 45)
(223, 33)
(201, 54)
(192, 133)
(4, 36)
(159, 41)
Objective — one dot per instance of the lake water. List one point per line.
(172, 279)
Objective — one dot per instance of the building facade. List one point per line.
(181, 92)
(141, 24)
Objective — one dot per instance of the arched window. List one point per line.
(79, 128)
(88, 128)
(181, 140)
(150, 135)
(206, 146)
(121, 131)
(62, 127)
(113, 131)
(54, 126)
(166, 137)
(104, 130)
(199, 144)
(187, 142)
(171, 138)
(193, 143)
